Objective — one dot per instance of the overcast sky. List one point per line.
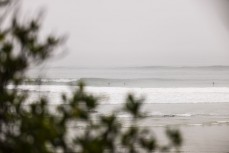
(138, 32)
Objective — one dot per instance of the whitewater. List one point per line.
(116, 95)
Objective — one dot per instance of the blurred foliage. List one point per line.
(34, 128)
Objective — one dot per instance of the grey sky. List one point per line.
(139, 32)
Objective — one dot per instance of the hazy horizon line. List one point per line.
(146, 66)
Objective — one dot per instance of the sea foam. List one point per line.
(116, 95)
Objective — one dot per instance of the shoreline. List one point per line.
(204, 125)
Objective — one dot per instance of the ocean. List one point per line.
(193, 99)
(155, 76)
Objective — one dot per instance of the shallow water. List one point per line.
(163, 106)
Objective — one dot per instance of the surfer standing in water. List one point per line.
(213, 83)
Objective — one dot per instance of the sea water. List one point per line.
(156, 76)
(198, 94)
(185, 97)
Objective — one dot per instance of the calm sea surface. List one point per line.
(137, 77)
